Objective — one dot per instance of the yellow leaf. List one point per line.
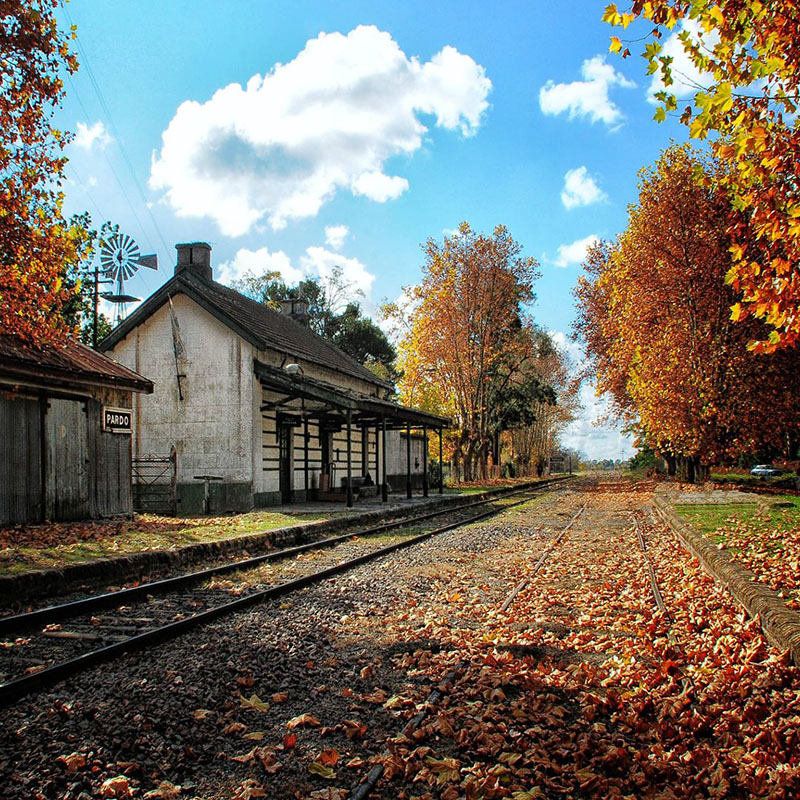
(315, 768)
(255, 702)
(303, 719)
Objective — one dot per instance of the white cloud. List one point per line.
(687, 79)
(580, 189)
(257, 262)
(575, 253)
(335, 235)
(86, 137)
(589, 97)
(321, 262)
(589, 436)
(287, 142)
(316, 262)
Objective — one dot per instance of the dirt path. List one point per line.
(579, 689)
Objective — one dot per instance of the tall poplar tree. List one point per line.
(465, 330)
(748, 53)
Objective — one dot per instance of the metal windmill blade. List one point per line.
(120, 258)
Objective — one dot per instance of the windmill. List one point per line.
(120, 259)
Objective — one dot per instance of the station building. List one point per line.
(258, 409)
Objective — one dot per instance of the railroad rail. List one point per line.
(363, 790)
(152, 613)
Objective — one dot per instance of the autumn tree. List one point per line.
(654, 316)
(37, 246)
(749, 54)
(464, 335)
(529, 446)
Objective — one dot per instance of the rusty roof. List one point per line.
(70, 363)
(255, 322)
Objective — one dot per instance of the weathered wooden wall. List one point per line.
(56, 463)
(20, 459)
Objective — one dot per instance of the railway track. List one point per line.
(363, 790)
(48, 645)
(371, 779)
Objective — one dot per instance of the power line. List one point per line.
(104, 106)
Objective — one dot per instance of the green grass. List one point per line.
(712, 518)
(475, 487)
(44, 546)
(786, 481)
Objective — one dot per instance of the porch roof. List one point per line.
(320, 400)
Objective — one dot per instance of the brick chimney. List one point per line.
(195, 257)
(296, 308)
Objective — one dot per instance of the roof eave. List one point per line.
(23, 372)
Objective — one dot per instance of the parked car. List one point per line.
(766, 471)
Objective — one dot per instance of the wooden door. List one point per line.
(20, 460)
(66, 460)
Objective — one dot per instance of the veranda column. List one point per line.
(408, 460)
(441, 464)
(305, 455)
(349, 458)
(384, 485)
(424, 461)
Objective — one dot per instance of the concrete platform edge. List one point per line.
(780, 624)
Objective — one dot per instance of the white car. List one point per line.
(766, 471)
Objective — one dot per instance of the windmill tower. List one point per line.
(120, 259)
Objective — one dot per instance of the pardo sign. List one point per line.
(117, 420)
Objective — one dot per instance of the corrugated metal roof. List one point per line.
(72, 361)
(261, 325)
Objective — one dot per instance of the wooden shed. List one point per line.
(65, 432)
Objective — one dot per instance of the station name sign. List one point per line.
(117, 420)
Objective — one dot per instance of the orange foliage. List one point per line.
(36, 244)
(654, 317)
(466, 317)
(750, 52)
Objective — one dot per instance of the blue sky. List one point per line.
(298, 135)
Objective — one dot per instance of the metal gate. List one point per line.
(154, 479)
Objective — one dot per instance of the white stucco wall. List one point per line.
(215, 426)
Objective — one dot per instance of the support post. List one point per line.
(364, 450)
(305, 455)
(384, 485)
(349, 458)
(424, 461)
(408, 460)
(441, 464)
(95, 301)
(377, 454)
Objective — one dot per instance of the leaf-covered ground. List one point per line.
(765, 538)
(30, 547)
(580, 689)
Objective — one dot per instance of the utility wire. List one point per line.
(104, 106)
